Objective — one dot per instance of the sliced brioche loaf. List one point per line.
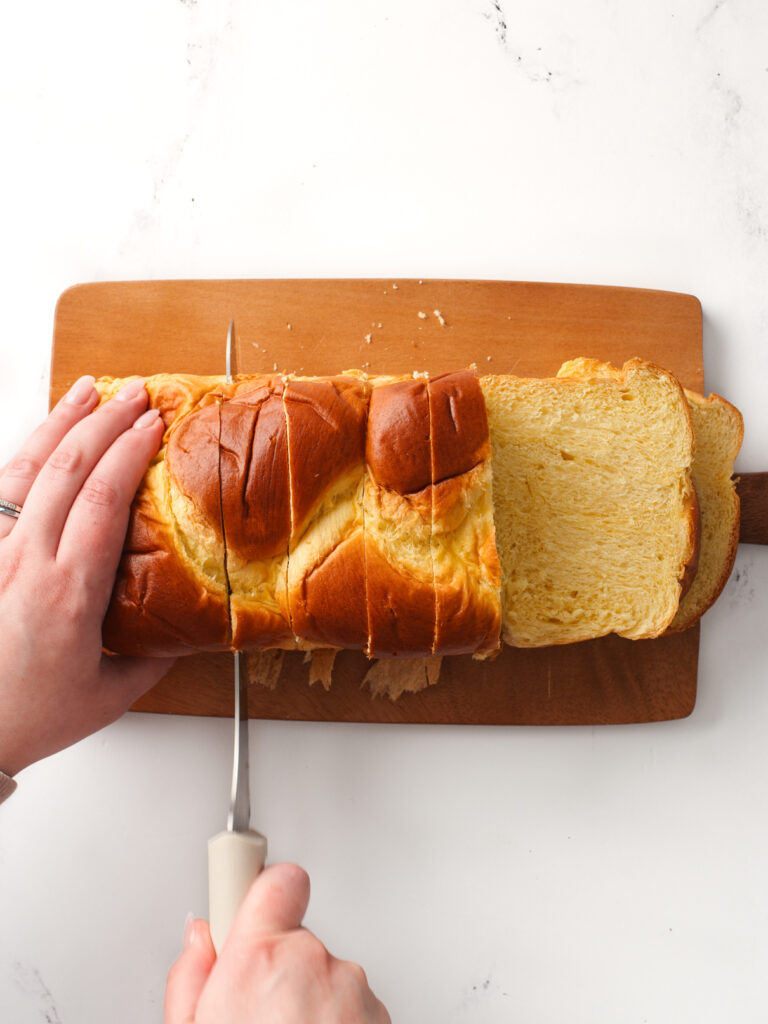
(719, 430)
(596, 514)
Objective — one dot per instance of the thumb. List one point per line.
(188, 975)
(276, 902)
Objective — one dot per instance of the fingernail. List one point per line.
(80, 391)
(189, 931)
(147, 419)
(130, 390)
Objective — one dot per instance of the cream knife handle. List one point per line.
(234, 861)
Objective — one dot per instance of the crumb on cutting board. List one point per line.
(321, 666)
(392, 677)
(264, 667)
(440, 318)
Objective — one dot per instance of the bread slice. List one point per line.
(464, 559)
(326, 423)
(719, 430)
(596, 514)
(397, 499)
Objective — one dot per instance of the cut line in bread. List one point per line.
(256, 505)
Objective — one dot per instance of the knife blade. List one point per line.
(237, 855)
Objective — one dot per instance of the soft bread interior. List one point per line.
(594, 506)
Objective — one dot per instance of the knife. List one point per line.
(237, 855)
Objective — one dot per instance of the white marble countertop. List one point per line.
(480, 875)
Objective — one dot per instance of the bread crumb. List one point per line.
(288, 326)
(367, 339)
(490, 358)
(321, 667)
(422, 316)
(264, 667)
(379, 325)
(421, 282)
(392, 677)
(394, 287)
(274, 366)
(255, 344)
(440, 317)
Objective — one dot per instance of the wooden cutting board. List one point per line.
(388, 326)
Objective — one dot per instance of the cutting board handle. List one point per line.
(753, 492)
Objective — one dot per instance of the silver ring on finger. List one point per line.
(10, 508)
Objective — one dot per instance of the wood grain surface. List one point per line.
(325, 326)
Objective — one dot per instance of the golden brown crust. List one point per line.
(158, 608)
(400, 590)
(328, 604)
(161, 603)
(170, 594)
(259, 621)
(326, 419)
(397, 446)
(458, 424)
(256, 508)
(255, 488)
(192, 461)
(401, 608)
(713, 467)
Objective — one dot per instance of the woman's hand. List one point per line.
(271, 970)
(75, 478)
